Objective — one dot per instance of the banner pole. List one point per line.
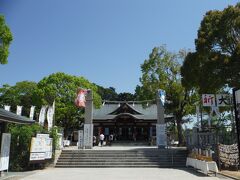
(237, 122)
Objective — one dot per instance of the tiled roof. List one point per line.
(10, 117)
(146, 113)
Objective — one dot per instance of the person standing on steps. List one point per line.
(94, 140)
(101, 137)
(110, 139)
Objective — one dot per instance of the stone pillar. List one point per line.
(88, 125)
(194, 137)
(160, 126)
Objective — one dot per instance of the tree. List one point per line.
(5, 40)
(125, 96)
(21, 136)
(107, 93)
(111, 95)
(22, 93)
(162, 71)
(216, 61)
(62, 88)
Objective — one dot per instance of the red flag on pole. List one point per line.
(80, 100)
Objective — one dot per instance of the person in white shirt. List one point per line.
(110, 139)
(101, 137)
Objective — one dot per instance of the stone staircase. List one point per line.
(163, 158)
(130, 143)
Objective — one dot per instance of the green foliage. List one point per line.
(54, 134)
(20, 144)
(125, 96)
(59, 87)
(216, 60)
(111, 95)
(162, 71)
(5, 40)
(63, 88)
(107, 93)
(20, 94)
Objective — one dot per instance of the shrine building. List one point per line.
(127, 121)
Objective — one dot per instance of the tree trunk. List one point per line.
(179, 129)
(65, 131)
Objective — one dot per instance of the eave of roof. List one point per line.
(10, 117)
(148, 113)
(136, 112)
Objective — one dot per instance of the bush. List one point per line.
(20, 144)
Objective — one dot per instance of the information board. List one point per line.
(80, 139)
(41, 147)
(88, 135)
(161, 135)
(5, 150)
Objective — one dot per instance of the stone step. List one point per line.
(118, 166)
(122, 158)
(118, 156)
(117, 159)
(122, 151)
(119, 163)
(135, 154)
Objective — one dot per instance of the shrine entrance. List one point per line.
(126, 122)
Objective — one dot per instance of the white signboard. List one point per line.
(5, 150)
(48, 144)
(208, 99)
(41, 147)
(223, 100)
(38, 145)
(161, 135)
(80, 139)
(48, 155)
(88, 135)
(37, 156)
(42, 136)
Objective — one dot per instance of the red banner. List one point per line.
(80, 100)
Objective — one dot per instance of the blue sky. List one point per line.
(105, 41)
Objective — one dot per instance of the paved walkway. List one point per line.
(115, 174)
(110, 173)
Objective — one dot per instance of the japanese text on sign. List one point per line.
(208, 100)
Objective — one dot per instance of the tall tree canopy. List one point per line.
(63, 88)
(162, 71)
(59, 87)
(107, 93)
(216, 62)
(22, 93)
(5, 40)
(125, 96)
